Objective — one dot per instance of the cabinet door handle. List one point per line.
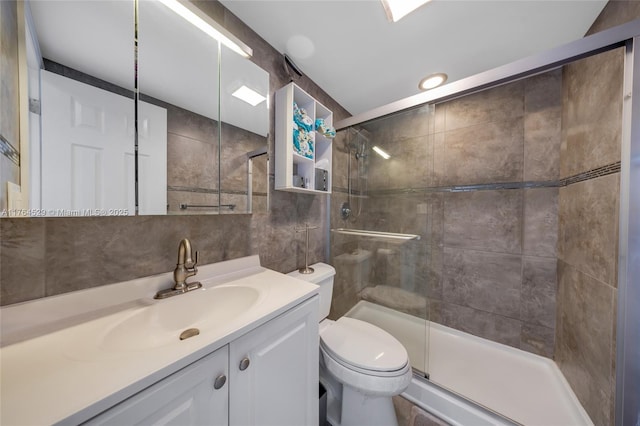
(244, 364)
(220, 381)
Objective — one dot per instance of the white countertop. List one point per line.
(61, 374)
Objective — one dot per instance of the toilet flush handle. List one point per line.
(244, 364)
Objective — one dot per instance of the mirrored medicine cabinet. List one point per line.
(193, 145)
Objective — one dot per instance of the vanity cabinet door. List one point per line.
(274, 371)
(187, 397)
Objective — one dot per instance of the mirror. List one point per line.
(184, 83)
(183, 94)
(82, 122)
(245, 127)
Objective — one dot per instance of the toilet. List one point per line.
(361, 365)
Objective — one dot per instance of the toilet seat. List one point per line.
(364, 348)
(370, 383)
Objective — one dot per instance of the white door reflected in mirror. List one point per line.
(87, 154)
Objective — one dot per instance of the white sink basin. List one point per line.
(162, 323)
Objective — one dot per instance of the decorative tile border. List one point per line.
(592, 174)
(580, 177)
(9, 151)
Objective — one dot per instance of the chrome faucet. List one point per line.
(185, 268)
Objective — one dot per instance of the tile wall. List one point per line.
(588, 222)
(588, 232)
(43, 257)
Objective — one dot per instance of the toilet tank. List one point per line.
(322, 276)
(355, 268)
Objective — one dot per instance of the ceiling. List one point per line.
(351, 50)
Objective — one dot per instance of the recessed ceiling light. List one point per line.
(432, 81)
(248, 95)
(397, 9)
(381, 153)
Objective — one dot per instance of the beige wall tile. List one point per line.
(234, 161)
(190, 125)
(543, 126)
(584, 339)
(22, 266)
(537, 339)
(499, 105)
(542, 140)
(490, 282)
(191, 163)
(592, 112)
(117, 249)
(483, 153)
(540, 225)
(484, 220)
(616, 12)
(588, 226)
(408, 124)
(539, 288)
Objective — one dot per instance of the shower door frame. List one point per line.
(627, 397)
(628, 327)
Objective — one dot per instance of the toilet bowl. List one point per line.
(361, 365)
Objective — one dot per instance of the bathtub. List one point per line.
(524, 388)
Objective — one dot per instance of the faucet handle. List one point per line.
(194, 268)
(191, 266)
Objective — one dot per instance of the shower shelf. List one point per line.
(376, 234)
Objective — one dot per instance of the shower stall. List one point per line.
(486, 226)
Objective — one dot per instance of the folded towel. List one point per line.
(302, 119)
(326, 131)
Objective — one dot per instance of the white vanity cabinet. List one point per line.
(273, 374)
(271, 377)
(187, 397)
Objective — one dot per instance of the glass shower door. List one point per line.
(381, 225)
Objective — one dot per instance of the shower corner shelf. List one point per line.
(288, 162)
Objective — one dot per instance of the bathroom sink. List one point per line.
(163, 322)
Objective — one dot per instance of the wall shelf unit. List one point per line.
(302, 167)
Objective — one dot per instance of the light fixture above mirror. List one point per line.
(194, 15)
(398, 9)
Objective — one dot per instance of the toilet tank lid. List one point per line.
(322, 271)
